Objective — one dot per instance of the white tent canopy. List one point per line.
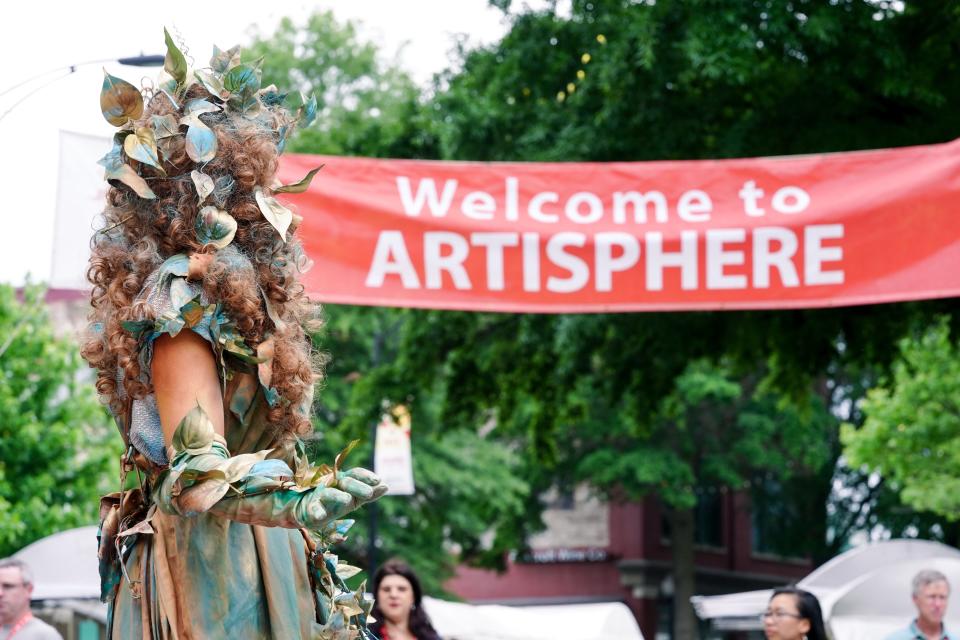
(64, 565)
(864, 593)
(602, 621)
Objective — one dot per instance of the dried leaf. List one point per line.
(238, 466)
(120, 101)
(164, 126)
(338, 462)
(347, 603)
(116, 169)
(265, 351)
(347, 571)
(271, 310)
(215, 226)
(202, 496)
(192, 312)
(197, 106)
(141, 145)
(174, 63)
(275, 213)
(204, 186)
(299, 187)
(223, 61)
(211, 83)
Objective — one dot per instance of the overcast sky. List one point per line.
(39, 36)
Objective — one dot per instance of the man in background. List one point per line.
(16, 621)
(930, 593)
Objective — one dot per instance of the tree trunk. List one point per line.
(681, 543)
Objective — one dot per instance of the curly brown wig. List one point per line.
(139, 234)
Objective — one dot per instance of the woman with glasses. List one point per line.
(793, 614)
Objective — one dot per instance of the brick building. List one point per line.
(594, 551)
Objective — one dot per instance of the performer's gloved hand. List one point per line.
(250, 488)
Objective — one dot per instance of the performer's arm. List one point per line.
(185, 374)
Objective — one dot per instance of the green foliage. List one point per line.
(56, 448)
(365, 106)
(680, 80)
(634, 403)
(471, 494)
(912, 431)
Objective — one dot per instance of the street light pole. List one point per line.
(133, 61)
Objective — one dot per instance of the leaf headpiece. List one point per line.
(234, 87)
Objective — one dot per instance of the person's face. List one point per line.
(14, 595)
(931, 602)
(782, 620)
(395, 597)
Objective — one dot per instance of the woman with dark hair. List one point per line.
(397, 610)
(793, 614)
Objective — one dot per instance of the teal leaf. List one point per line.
(241, 78)
(201, 142)
(309, 112)
(223, 61)
(115, 169)
(215, 226)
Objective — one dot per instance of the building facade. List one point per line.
(593, 551)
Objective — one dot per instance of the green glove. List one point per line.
(250, 488)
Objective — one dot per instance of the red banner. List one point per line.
(764, 233)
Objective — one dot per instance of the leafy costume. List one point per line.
(226, 536)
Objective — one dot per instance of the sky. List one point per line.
(40, 36)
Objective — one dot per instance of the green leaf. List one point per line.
(241, 78)
(301, 186)
(174, 63)
(120, 101)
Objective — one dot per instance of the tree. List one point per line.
(366, 106)
(618, 80)
(471, 491)
(57, 453)
(623, 80)
(912, 432)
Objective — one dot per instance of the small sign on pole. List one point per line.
(393, 458)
